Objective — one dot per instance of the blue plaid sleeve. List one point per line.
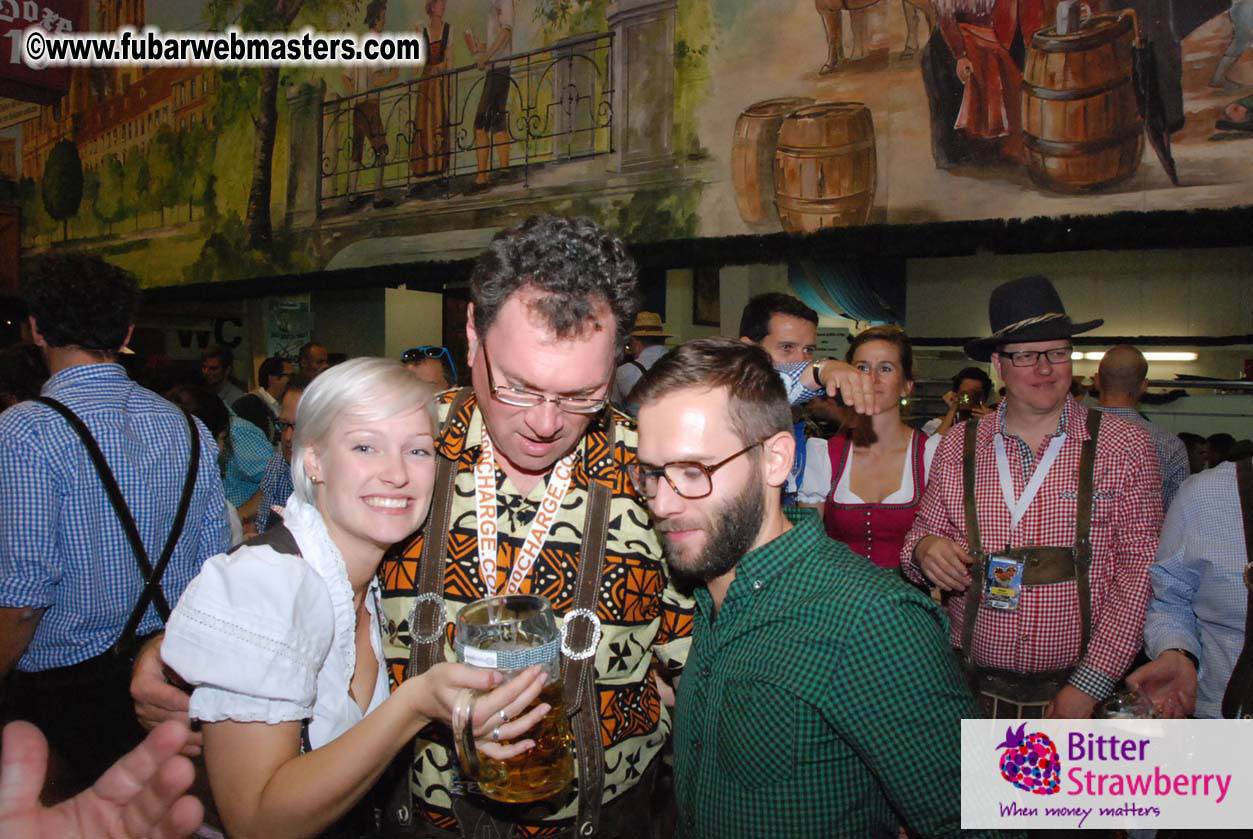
(29, 509)
(275, 489)
(250, 448)
(794, 376)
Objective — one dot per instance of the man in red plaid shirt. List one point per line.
(1044, 542)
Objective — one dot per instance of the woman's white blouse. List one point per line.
(816, 482)
(270, 637)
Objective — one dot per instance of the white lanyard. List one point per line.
(1017, 509)
(485, 516)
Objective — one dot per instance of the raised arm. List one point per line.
(265, 787)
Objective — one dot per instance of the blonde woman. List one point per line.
(281, 639)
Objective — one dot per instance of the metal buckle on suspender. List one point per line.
(1083, 554)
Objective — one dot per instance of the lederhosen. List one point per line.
(1238, 697)
(1005, 694)
(85, 709)
(478, 817)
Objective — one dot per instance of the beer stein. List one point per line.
(509, 634)
(1125, 705)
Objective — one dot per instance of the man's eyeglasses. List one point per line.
(688, 478)
(1030, 358)
(416, 354)
(520, 398)
(282, 425)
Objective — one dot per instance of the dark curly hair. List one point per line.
(573, 263)
(79, 300)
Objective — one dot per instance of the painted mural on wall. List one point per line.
(661, 119)
(855, 111)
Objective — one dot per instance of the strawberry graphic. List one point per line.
(1030, 761)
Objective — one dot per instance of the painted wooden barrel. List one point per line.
(752, 157)
(824, 167)
(1081, 127)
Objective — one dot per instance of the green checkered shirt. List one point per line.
(823, 701)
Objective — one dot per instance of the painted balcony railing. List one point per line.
(448, 133)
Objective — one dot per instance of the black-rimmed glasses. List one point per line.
(416, 354)
(519, 398)
(1030, 358)
(688, 478)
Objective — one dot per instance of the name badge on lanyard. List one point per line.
(1003, 584)
(485, 517)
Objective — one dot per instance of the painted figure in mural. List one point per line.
(1163, 24)
(829, 11)
(366, 120)
(430, 121)
(1238, 116)
(916, 11)
(1241, 36)
(987, 39)
(491, 120)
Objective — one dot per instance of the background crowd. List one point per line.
(779, 529)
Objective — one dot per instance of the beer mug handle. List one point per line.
(463, 732)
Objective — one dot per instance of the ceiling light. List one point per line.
(1148, 356)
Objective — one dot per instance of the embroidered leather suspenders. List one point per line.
(578, 675)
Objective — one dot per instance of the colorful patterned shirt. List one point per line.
(645, 622)
(1044, 632)
(822, 702)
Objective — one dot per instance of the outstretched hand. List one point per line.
(139, 797)
(854, 386)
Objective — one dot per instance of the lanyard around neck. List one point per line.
(488, 529)
(1018, 508)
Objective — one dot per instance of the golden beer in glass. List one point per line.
(509, 634)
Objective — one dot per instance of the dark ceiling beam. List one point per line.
(1118, 231)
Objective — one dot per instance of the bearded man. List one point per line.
(799, 646)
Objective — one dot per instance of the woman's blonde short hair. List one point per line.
(367, 389)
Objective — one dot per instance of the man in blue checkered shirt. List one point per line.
(1194, 628)
(68, 575)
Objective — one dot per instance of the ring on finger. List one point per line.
(496, 734)
(504, 718)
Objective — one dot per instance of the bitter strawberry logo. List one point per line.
(1030, 761)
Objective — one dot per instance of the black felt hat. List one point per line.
(1024, 310)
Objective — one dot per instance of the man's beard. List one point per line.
(730, 535)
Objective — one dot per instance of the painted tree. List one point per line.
(62, 185)
(136, 179)
(165, 170)
(196, 148)
(110, 204)
(91, 189)
(267, 16)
